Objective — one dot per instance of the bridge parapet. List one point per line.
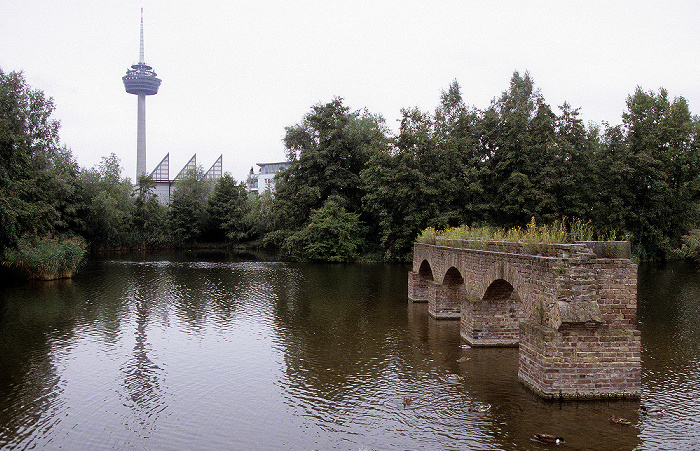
(570, 307)
(602, 249)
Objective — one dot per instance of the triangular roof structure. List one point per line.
(162, 172)
(215, 171)
(192, 164)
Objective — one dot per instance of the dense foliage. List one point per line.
(38, 183)
(332, 234)
(38, 177)
(357, 190)
(502, 166)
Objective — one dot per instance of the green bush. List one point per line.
(46, 258)
(690, 247)
(332, 235)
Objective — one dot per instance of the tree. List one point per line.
(259, 214)
(188, 214)
(328, 150)
(573, 176)
(663, 150)
(227, 210)
(433, 175)
(518, 138)
(613, 195)
(399, 193)
(37, 174)
(107, 205)
(458, 168)
(149, 218)
(332, 234)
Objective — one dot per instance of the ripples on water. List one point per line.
(669, 318)
(177, 354)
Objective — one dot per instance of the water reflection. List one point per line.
(669, 319)
(142, 377)
(185, 353)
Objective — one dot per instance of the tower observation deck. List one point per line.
(142, 81)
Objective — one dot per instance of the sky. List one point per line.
(236, 73)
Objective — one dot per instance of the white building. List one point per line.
(265, 177)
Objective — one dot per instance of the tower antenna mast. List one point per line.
(141, 57)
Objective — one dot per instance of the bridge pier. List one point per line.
(444, 301)
(580, 361)
(493, 320)
(572, 312)
(417, 287)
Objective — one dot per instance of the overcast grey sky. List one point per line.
(236, 73)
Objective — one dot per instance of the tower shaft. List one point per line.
(141, 136)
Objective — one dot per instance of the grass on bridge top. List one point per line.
(535, 238)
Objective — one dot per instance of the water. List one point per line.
(219, 353)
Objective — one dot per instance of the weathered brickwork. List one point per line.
(418, 283)
(493, 320)
(444, 301)
(580, 362)
(573, 313)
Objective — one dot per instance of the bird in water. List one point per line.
(651, 411)
(620, 420)
(548, 438)
(463, 359)
(453, 378)
(407, 400)
(480, 408)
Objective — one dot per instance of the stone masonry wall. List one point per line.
(493, 320)
(580, 362)
(417, 287)
(444, 301)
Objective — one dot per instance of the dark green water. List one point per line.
(223, 354)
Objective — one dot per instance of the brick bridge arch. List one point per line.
(573, 314)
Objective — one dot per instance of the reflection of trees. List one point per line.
(668, 312)
(34, 318)
(337, 323)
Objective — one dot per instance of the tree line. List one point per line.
(502, 166)
(357, 190)
(45, 195)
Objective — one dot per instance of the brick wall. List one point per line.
(580, 362)
(493, 320)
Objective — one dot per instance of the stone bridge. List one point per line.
(571, 311)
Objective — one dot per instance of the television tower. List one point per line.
(142, 81)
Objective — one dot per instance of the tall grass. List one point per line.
(46, 258)
(534, 238)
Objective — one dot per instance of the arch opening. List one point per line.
(453, 278)
(445, 299)
(425, 272)
(495, 319)
(499, 290)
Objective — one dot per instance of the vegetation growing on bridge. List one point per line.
(534, 238)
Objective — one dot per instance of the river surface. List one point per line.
(213, 353)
